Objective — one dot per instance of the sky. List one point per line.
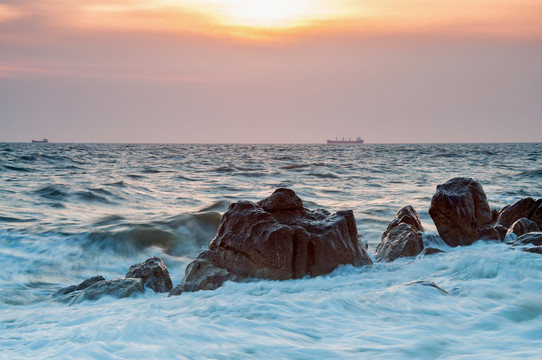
(271, 71)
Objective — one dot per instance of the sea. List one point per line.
(72, 211)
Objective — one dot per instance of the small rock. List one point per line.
(154, 274)
(402, 238)
(534, 238)
(120, 288)
(522, 226)
(426, 283)
(431, 251)
(534, 249)
(202, 275)
(83, 285)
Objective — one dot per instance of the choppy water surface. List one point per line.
(71, 211)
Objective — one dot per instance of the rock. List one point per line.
(402, 238)
(85, 284)
(511, 213)
(461, 213)
(523, 226)
(534, 238)
(534, 249)
(426, 283)
(537, 215)
(154, 274)
(431, 251)
(406, 215)
(202, 275)
(120, 288)
(401, 241)
(501, 231)
(277, 239)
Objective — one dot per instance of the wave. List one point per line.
(53, 192)
(89, 196)
(178, 236)
(17, 168)
(531, 174)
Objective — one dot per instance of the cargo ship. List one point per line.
(40, 141)
(343, 141)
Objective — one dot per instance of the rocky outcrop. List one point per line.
(522, 226)
(532, 238)
(524, 208)
(461, 213)
(85, 284)
(119, 288)
(277, 238)
(154, 274)
(403, 236)
(534, 249)
(202, 275)
(96, 287)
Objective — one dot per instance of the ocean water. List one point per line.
(72, 211)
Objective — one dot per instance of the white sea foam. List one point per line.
(493, 310)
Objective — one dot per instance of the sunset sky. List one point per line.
(273, 71)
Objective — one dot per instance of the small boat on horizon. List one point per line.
(43, 141)
(343, 141)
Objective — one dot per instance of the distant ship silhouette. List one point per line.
(40, 141)
(343, 141)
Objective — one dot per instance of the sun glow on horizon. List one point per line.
(270, 15)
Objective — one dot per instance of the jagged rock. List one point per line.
(402, 238)
(537, 214)
(202, 275)
(431, 251)
(278, 239)
(534, 238)
(83, 285)
(523, 226)
(512, 213)
(461, 213)
(534, 249)
(120, 288)
(154, 274)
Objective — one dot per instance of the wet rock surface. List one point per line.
(524, 208)
(523, 226)
(461, 213)
(96, 288)
(83, 285)
(202, 275)
(532, 238)
(154, 274)
(402, 237)
(119, 288)
(278, 239)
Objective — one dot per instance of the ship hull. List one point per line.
(344, 142)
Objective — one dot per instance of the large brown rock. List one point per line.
(522, 226)
(403, 236)
(154, 274)
(277, 238)
(461, 213)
